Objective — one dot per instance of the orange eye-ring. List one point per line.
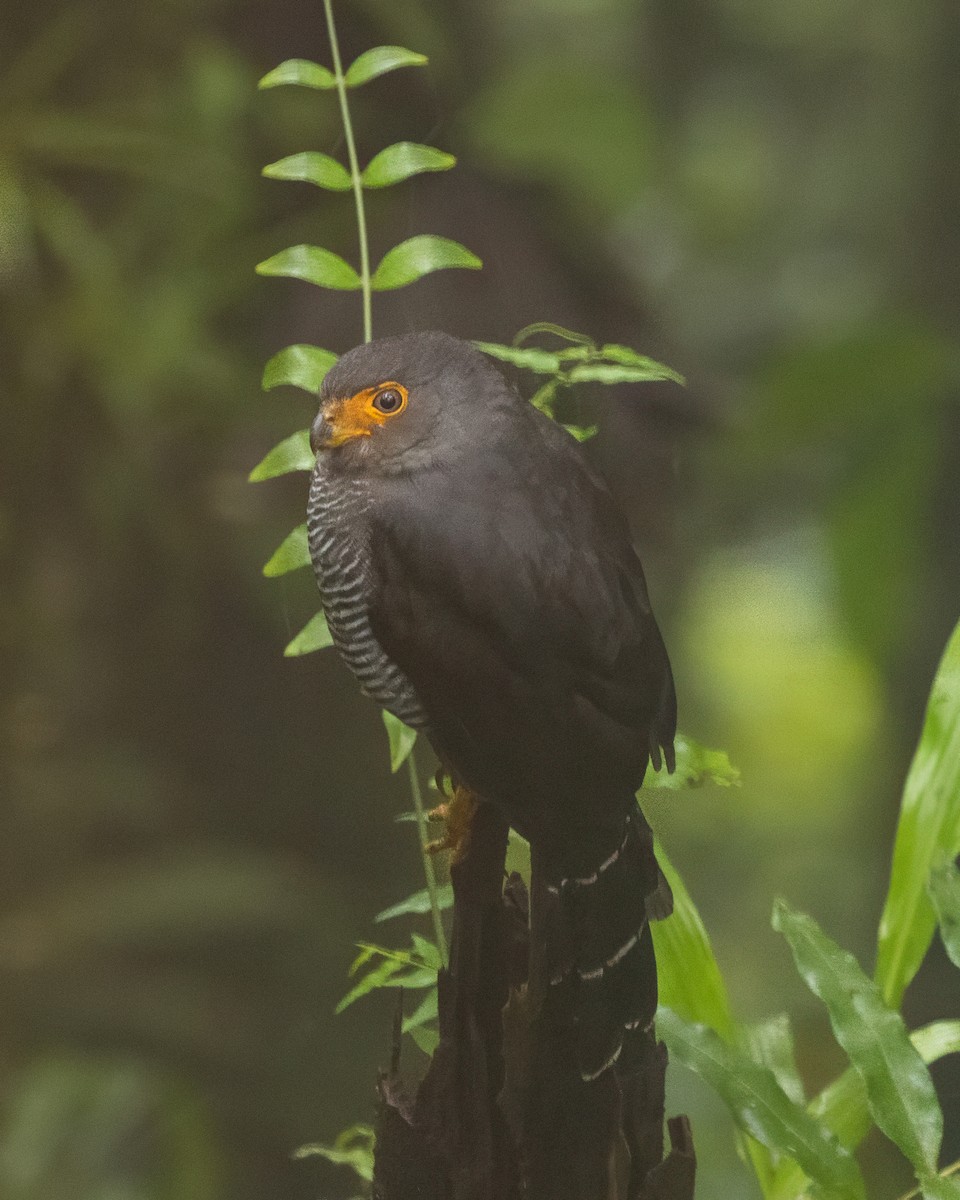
(390, 399)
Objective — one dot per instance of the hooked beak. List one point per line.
(321, 432)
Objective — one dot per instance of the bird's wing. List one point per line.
(509, 594)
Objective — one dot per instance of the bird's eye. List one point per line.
(389, 401)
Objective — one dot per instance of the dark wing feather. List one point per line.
(509, 594)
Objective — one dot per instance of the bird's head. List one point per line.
(405, 402)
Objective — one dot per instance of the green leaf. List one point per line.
(315, 635)
(426, 1037)
(771, 1043)
(928, 832)
(944, 889)
(419, 902)
(544, 362)
(568, 335)
(418, 256)
(599, 372)
(353, 1148)
(379, 61)
(428, 953)
(402, 739)
(760, 1107)
(842, 1106)
(314, 265)
(631, 358)
(401, 160)
(311, 167)
(426, 1010)
(299, 71)
(299, 366)
(900, 1092)
(395, 968)
(696, 765)
(292, 554)
(583, 433)
(292, 454)
(690, 980)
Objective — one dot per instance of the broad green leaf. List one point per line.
(311, 167)
(401, 160)
(944, 888)
(379, 61)
(314, 265)
(353, 1148)
(299, 366)
(544, 362)
(426, 1010)
(599, 372)
(771, 1043)
(315, 635)
(419, 902)
(900, 1092)
(760, 1107)
(690, 980)
(292, 554)
(292, 454)
(568, 335)
(402, 740)
(696, 765)
(299, 71)
(928, 832)
(418, 256)
(842, 1106)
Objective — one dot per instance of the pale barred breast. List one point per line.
(337, 532)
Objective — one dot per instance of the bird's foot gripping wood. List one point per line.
(457, 813)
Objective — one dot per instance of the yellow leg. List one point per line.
(457, 813)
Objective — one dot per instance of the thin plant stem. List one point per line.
(354, 174)
(427, 860)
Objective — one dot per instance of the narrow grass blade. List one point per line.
(292, 554)
(760, 1107)
(928, 832)
(311, 167)
(292, 454)
(299, 366)
(690, 980)
(418, 256)
(312, 264)
(900, 1092)
(315, 635)
(401, 160)
(771, 1043)
(944, 888)
(301, 72)
(379, 61)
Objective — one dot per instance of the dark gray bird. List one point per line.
(479, 581)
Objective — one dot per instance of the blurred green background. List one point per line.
(195, 831)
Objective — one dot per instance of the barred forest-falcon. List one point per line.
(479, 581)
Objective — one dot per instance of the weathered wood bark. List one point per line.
(502, 1113)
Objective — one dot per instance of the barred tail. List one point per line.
(607, 887)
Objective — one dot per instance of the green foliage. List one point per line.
(418, 256)
(353, 1148)
(292, 454)
(944, 889)
(760, 1106)
(299, 366)
(899, 1089)
(928, 832)
(695, 765)
(402, 740)
(315, 635)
